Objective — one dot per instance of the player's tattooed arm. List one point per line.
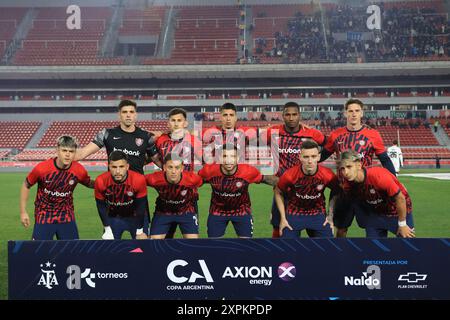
(270, 180)
(330, 215)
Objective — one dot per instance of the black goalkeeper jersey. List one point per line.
(137, 145)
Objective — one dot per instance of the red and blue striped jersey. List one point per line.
(230, 195)
(120, 197)
(54, 197)
(189, 149)
(305, 193)
(366, 141)
(214, 138)
(175, 199)
(378, 190)
(286, 146)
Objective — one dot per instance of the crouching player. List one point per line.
(121, 197)
(387, 203)
(56, 179)
(303, 186)
(230, 200)
(177, 196)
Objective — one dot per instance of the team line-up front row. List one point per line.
(372, 194)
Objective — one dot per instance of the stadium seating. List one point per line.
(16, 134)
(9, 20)
(85, 131)
(148, 21)
(4, 153)
(206, 35)
(425, 153)
(50, 42)
(408, 136)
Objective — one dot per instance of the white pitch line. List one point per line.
(440, 176)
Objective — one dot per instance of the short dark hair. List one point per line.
(228, 106)
(117, 155)
(125, 103)
(353, 101)
(395, 142)
(310, 144)
(171, 156)
(176, 111)
(67, 142)
(291, 104)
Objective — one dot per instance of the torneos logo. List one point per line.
(287, 271)
(176, 277)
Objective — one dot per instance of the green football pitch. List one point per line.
(430, 197)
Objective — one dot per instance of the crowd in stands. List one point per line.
(406, 34)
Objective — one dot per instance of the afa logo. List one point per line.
(48, 277)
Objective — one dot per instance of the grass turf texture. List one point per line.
(430, 197)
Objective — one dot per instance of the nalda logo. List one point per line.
(371, 278)
(48, 277)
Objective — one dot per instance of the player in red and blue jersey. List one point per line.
(286, 142)
(179, 141)
(56, 179)
(303, 186)
(230, 200)
(182, 144)
(214, 137)
(121, 196)
(177, 197)
(363, 140)
(388, 204)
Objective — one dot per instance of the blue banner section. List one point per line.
(230, 269)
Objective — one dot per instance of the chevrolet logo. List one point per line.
(412, 277)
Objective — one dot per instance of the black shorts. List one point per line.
(346, 208)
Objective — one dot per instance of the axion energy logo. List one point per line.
(287, 271)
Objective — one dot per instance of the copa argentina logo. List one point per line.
(187, 276)
(371, 278)
(48, 277)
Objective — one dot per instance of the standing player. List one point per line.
(396, 156)
(228, 133)
(136, 143)
(121, 197)
(56, 179)
(176, 203)
(385, 198)
(179, 141)
(365, 141)
(303, 186)
(286, 141)
(182, 144)
(230, 200)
